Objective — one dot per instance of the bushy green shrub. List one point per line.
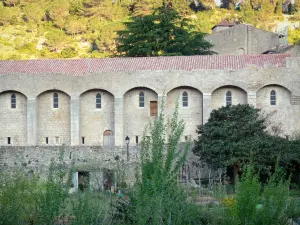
(256, 204)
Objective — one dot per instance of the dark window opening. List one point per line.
(82, 140)
(185, 99)
(98, 101)
(141, 99)
(228, 98)
(47, 140)
(273, 97)
(55, 100)
(8, 140)
(13, 101)
(137, 139)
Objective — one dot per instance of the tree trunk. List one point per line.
(235, 173)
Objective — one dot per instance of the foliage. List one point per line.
(96, 23)
(256, 204)
(164, 32)
(157, 198)
(234, 134)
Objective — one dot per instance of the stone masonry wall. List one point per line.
(13, 122)
(238, 96)
(53, 123)
(95, 121)
(208, 86)
(191, 115)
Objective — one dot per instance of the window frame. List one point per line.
(228, 98)
(273, 98)
(55, 101)
(185, 99)
(98, 101)
(141, 99)
(13, 101)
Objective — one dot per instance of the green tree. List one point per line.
(56, 40)
(58, 12)
(234, 133)
(76, 25)
(9, 15)
(157, 198)
(33, 12)
(164, 32)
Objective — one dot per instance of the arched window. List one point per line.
(98, 101)
(141, 99)
(273, 97)
(55, 100)
(13, 101)
(185, 99)
(228, 98)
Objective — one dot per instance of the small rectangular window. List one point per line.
(82, 140)
(137, 139)
(8, 140)
(56, 140)
(47, 140)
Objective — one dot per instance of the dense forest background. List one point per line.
(31, 29)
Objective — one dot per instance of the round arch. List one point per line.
(138, 112)
(190, 108)
(96, 116)
(183, 86)
(96, 89)
(52, 90)
(13, 107)
(273, 85)
(230, 86)
(53, 117)
(13, 91)
(238, 95)
(140, 87)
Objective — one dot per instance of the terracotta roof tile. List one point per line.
(80, 67)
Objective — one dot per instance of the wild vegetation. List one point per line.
(155, 198)
(88, 28)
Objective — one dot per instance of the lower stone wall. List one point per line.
(95, 160)
(37, 159)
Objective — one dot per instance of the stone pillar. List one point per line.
(206, 107)
(252, 99)
(31, 121)
(75, 120)
(119, 121)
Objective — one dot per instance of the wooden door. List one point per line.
(153, 108)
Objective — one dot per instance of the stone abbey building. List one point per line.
(91, 105)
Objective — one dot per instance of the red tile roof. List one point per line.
(79, 67)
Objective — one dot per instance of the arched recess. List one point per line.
(282, 119)
(108, 138)
(136, 115)
(53, 118)
(189, 108)
(218, 96)
(13, 118)
(96, 115)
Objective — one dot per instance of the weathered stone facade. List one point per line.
(205, 80)
(241, 39)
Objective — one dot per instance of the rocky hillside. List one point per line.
(31, 29)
